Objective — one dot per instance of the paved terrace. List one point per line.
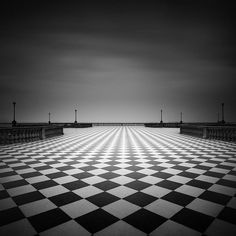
(118, 181)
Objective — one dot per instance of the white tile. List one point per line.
(170, 228)
(6, 203)
(223, 189)
(122, 191)
(205, 207)
(156, 191)
(79, 208)
(65, 179)
(20, 190)
(220, 227)
(122, 180)
(151, 179)
(37, 179)
(70, 228)
(163, 208)
(37, 207)
(120, 228)
(190, 190)
(19, 228)
(87, 191)
(179, 179)
(122, 171)
(52, 191)
(121, 208)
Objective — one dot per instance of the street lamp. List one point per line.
(14, 114)
(181, 116)
(161, 118)
(49, 118)
(222, 106)
(75, 116)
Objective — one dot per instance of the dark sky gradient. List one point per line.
(117, 60)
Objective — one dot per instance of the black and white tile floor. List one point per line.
(118, 181)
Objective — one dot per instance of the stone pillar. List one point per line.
(14, 114)
(181, 116)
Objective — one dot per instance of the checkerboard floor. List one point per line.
(118, 181)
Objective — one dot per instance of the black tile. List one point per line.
(30, 175)
(4, 194)
(188, 174)
(202, 167)
(45, 184)
(14, 184)
(20, 167)
(140, 199)
(228, 183)
(137, 185)
(28, 197)
(56, 175)
(96, 220)
(135, 175)
(228, 214)
(64, 198)
(82, 175)
(64, 168)
(10, 215)
(178, 167)
(46, 167)
(157, 168)
(199, 184)
(6, 174)
(111, 168)
(145, 220)
(109, 175)
(48, 219)
(169, 184)
(215, 197)
(193, 219)
(178, 198)
(214, 174)
(106, 185)
(162, 175)
(225, 167)
(102, 199)
(75, 185)
(88, 168)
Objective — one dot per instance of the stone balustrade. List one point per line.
(227, 133)
(26, 134)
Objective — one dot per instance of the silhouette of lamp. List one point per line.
(14, 114)
(75, 116)
(49, 118)
(222, 106)
(181, 116)
(161, 118)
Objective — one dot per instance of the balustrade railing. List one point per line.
(227, 133)
(26, 134)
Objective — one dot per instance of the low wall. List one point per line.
(26, 134)
(227, 133)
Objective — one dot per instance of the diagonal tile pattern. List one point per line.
(118, 180)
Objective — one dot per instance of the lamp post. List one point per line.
(161, 118)
(223, 120)
(49, 118)
(181, 116)
(14, 114)
(75, 116)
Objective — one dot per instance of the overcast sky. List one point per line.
(117, 61)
